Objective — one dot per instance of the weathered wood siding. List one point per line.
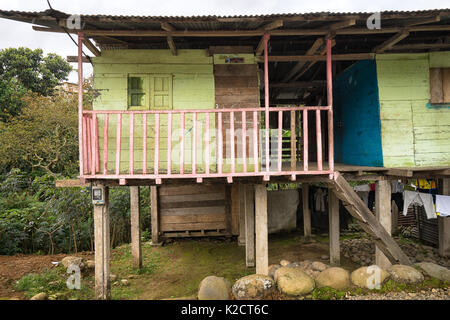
(193, 88)
(237, 86)
(413, 133)
(195, 208)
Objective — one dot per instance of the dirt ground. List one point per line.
(12, 268)
(177, 267)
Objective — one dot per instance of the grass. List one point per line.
(327, 293)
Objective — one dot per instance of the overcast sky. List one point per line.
(16, 34)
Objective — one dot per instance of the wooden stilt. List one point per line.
(242, 237)
(333, 211)
(136, 249)
(262, 252)
(444, 222)
(102, 248)
(155, 214)
(249, 214)
(306, 211)
(383, 213)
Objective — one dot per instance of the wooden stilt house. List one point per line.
(208, 110)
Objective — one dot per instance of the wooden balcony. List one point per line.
(204, 144)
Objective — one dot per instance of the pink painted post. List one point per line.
(207, 151)
(182, 119)
(220, 142)
(105, 143)
(255, 141)
(194, 143)
(82, 157)
(169, 143)
(330, 111)
(93, 145)
(118, 142)
(89, 143)
(85, 143)
(144, 144)
(266, 97)
(233, 156)
(305, 140)
(280, 139)
(97, 145)
(319, 140)
(131, 145)
(244, 142)
(157, 143)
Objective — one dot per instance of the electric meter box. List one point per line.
(98, 196)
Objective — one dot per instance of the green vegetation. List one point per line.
(327, 293)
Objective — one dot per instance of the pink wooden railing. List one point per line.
(250, 142)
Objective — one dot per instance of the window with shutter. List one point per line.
(161, 91)
(137, 92)
(439, 85)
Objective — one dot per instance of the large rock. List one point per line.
(405, 274)
(272, 269)
(40, 296)
(71, 260)
(90, 264)
(318, 266)
(214, 288)
(366, 277)
(253, 287)
(293, 281)
(434, 270)
(336, 278)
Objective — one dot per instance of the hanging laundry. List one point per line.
(421, 199)
(319, 200)
(443, 205)
(425, 184)
(364, 195)
(362, 188)
(397, 187)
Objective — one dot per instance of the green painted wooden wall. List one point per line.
(412, 134)
(193, 88)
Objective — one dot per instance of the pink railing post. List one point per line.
(118, 142)
(169, 143)
(93, 145)
(266, 97)
(131, 145)
(85, 142)
(220, 143)
(97, 145)
(330, 110)
(182, 143)
(233, 156)
(144, 144)
(280, 139)
(105, 143)
(81, 155)
(207, 151)
(244, 142)
(89, 143)
(319, 140)
(305, 140)
(156, 143)
(255, 141)
(194, 143)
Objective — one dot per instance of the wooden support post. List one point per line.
(394, 220)
(249, 213)
(102, 248)
(333, 212)
(262, 252)
(444, 222)
(155, 214)
(306, 211)
(136, 250)
(383, 213)
(242, 237)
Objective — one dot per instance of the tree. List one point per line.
(44, 137)
(23, 69)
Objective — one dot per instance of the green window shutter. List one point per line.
(161, 91)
